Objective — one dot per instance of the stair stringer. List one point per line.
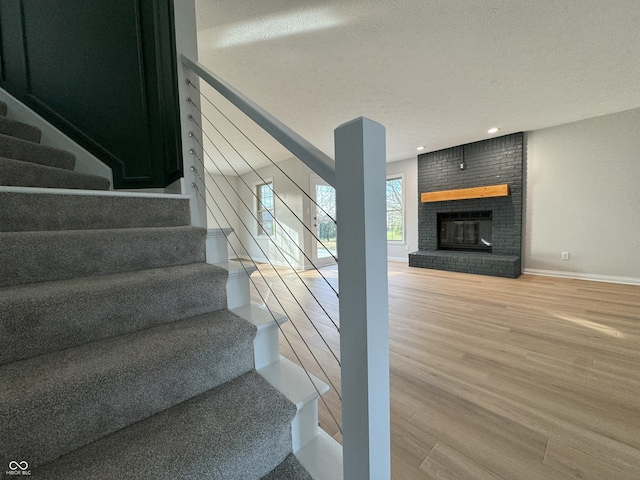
(51, 136)
(318, 452)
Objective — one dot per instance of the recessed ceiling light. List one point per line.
(493, 130)
(420, 148)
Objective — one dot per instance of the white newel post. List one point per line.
(187, 44)
(364, 338)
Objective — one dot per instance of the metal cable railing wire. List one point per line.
(284, 335)
(259, 149)
(273, 266)
(264, 253)
(251, 234)
(199, 127)
(301, 250)
(261, 178)
(278, 247)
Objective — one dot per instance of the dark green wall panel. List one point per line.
(103, 72)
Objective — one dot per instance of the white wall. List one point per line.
(409, 171)
(583, 197)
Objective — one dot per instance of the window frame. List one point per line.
(260, 209)
(397, 176)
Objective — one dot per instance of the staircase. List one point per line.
(119, 356)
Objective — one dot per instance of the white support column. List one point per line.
(364, 317)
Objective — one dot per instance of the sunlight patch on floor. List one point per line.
(598, 327)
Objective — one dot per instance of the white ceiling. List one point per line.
(436, 73)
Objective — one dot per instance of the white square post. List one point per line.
(360, 153)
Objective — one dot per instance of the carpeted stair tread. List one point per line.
(18, 149)
(40, 318)
(35, 211)
(118, 356)
(290, 469)
(26, 174)
(238, 431)
(14, 128)
(45, 256)
(70, 398)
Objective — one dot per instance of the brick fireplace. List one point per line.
(471, 235)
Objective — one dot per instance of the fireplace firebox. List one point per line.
(465, 231)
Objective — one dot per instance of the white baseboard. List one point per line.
(399, 259)
(594, 277)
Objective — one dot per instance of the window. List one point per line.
(266, 222)
(395, 213)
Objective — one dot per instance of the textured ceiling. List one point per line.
(436, 73)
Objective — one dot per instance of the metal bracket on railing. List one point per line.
(190, 101)
(192, 151)
(195, 171)
(190, 134)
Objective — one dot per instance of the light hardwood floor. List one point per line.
(536, 378)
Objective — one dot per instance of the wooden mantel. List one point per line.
(466, 193)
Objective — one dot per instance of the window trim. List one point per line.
(398, 176)
(259, 209)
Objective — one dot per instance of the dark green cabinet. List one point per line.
(105, 74)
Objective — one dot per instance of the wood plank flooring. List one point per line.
(536, 378)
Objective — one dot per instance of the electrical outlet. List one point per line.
(565, 255)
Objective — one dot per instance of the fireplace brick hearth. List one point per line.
(490, 162)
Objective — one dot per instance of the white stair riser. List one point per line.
(266, 347)
(217, 245)
(238, 290)
(305, 425)
(217, 253)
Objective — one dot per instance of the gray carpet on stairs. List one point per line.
(238, 431)
(18, 149)
(118, 357)
(40, 318)
(101, 387)
(21, 130)
(60, 255)
(290, 469)
(25, 174)
(22, 212)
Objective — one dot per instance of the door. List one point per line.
(324, 225)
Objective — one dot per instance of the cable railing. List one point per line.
(208, 196)
(269, 209)
(249, 188)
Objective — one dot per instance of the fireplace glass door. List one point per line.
(465, 231)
